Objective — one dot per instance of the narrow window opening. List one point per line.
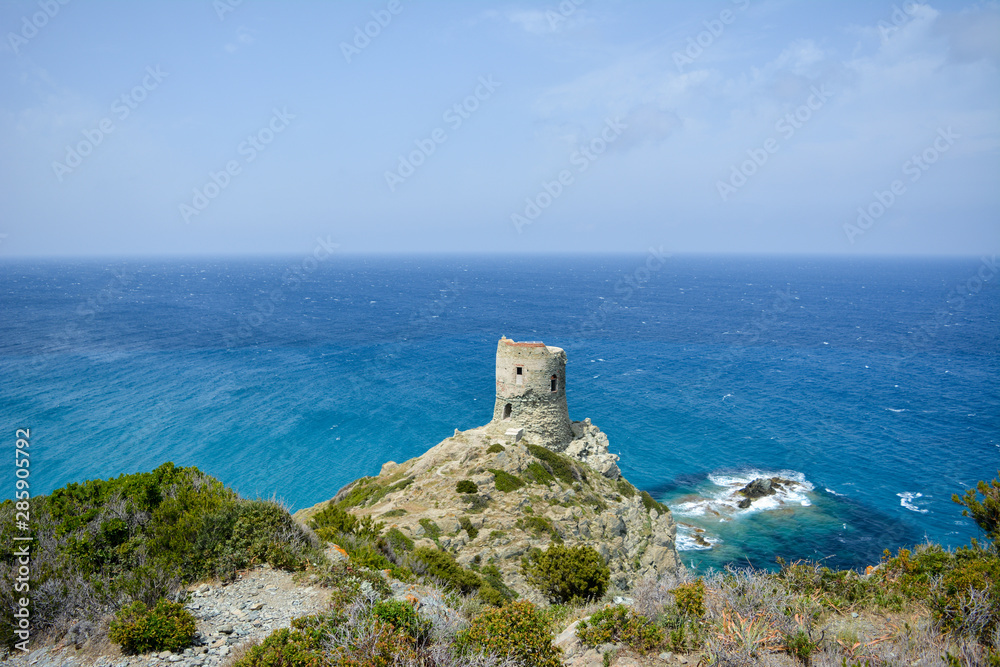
(553, 383)
(520, 376)
(506, 411)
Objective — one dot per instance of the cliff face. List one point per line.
(527, 496)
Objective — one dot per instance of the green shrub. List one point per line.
(560, 466)
(476, 503)
(397, 541)
(536, 473)
(494, 590)
(333, 520)
(985, 513)
(690, 598)
(362, 492)
(466, 486)
(403, 618)
(567, 573)
(967, 600)
(625, 488)
(540, 526)
(619, 625)
(515, 631)
(505, 481)
(431, 529)
(467, 526)
(494, 448)
(298, 646)
(800, 645)
(394, 513)
(652, 504)
(442, 566)
(399, 486)
(166, 627)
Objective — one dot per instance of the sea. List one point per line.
(866, 386)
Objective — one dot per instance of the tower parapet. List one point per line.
(531, 392)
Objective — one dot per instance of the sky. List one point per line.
(245, 127)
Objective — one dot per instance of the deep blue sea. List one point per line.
(872, 383)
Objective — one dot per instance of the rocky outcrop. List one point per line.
(522, 502)
(759, 488)
(590, 445)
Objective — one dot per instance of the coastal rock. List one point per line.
(590, 445)
(759, 488)
(598, 509)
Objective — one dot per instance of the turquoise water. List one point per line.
(872, 382)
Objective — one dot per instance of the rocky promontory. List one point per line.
(525, 496)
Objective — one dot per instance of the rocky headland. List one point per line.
(527, 497)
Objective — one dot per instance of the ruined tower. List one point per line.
(531, 392)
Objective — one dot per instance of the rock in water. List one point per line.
(758, 488)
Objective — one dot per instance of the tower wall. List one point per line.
(526, 375)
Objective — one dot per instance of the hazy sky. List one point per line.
(233, 127)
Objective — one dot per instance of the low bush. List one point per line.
(690, 598)
(494, 448)
(396, 541)
(515, 631)
(560, 466)
(403, 618)
(494, 591)
(442, 566)
(467, 526)
(466, 486)
(476, 503)
(625, 488)
(541, 526)
(538, 474)
(505, 481)
(333, 521)
(431, 529)
(567, 573)
(166, 627)
(620, 625)
(651, 503)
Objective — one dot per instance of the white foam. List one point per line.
(895, 410)
(686, 539)
(906, 499)
(832, 492)
(724, 502)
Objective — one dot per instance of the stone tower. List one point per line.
(531, 392)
